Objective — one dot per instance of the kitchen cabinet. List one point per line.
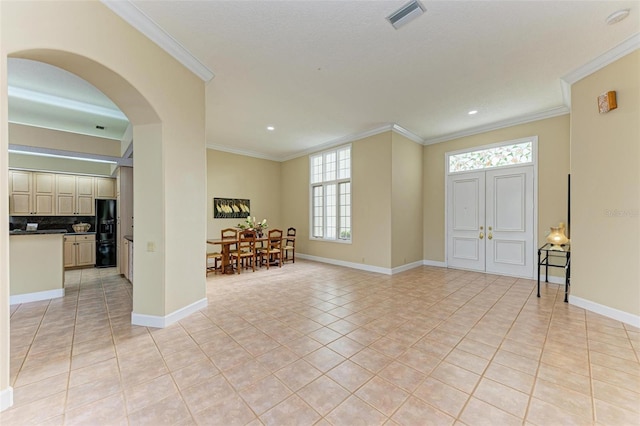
(126, 267)
(79, 250)
(75, 195)
(105, 188)
(31, 193)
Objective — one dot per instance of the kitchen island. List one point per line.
(36, 265)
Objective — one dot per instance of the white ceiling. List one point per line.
(319, 71)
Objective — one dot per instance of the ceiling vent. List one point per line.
(406, 14)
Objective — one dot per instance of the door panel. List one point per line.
(466, 209)
(510, 221)
(490, 221)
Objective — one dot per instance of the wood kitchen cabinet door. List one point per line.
(79, 250)
(31, 193)
(86, 252)
(106, 188)
(69, 251)
(75, 195)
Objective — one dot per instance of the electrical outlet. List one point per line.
(151, 246)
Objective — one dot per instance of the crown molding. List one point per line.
(611, 55)
(140, 21)
(407, 134)
(246, 153)
(550, 113)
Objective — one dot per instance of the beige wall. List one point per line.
(553, 168)
(406, 201)
(371, 200)
(238, 176)
(4, 232)
(605, 188)
(89, 40)
(20, 134)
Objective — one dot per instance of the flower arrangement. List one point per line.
(250, 223)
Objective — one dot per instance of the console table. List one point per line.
(545, 254)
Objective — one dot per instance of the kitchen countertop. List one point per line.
(38, 232)
(80, 233)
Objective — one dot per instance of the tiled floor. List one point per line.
(317, 344)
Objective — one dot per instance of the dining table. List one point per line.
(226, 266)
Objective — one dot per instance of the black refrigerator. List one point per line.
(105, 233)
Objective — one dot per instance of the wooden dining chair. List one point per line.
(289, 245)
(213, 258)
(245, 250)
(272, 251)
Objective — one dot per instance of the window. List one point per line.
(331, 194)
(505, 155)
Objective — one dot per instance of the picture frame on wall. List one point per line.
(231, 208)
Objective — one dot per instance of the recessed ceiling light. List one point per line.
(472, 112)
(270, 128)
(617, 16)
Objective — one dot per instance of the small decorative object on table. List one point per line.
(557, 237)
(251, 223)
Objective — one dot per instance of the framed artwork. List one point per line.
(231, 208)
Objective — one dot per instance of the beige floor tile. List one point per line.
(354, 411)
(382, 395)
(402, 376)
(350, 375)
(231, 411)
(324, 359)
(291, 411)
(298, 374)
(430, 331)
(503, 397)
(265, 394)
(105, 411)
(442, 396)
(205, 394)
(455, 376)
(480, 413)
(323, 394)
(416, 412)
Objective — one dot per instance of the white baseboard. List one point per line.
(406, 267)
(162, 322)
(437, 263)
(371, 268)
(35, 297)
(360, 266)
(6, 398)
(606, 311)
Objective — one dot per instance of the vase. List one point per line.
(557, 237)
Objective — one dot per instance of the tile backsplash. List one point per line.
(51, 222)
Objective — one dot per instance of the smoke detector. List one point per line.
(406, 14)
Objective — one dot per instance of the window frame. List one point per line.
(322, 183)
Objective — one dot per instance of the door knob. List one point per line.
(490, 236)
(481, 236)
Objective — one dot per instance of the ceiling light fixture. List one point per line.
(472, 112)
(617, 16)
(66, 157)
(271, 128)
(406, 14)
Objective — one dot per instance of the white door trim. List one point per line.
(534, 144)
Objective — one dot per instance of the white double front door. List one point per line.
(490, 221)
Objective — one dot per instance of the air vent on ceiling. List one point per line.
(406, 14)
